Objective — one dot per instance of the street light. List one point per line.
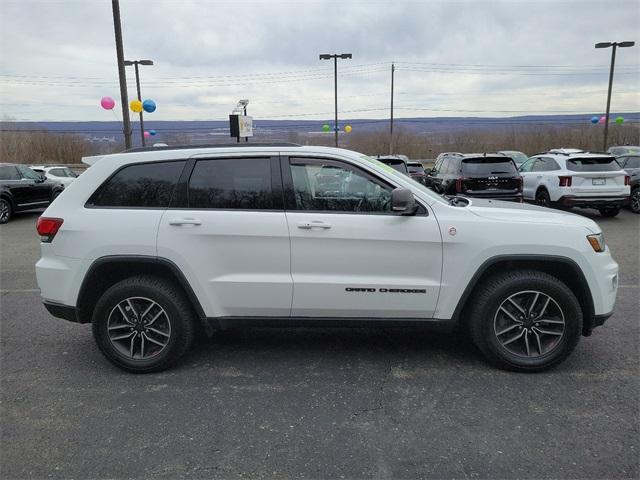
(135, 63)
(335, 56)
(613, 61)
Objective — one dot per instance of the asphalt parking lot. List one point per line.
(313, 403)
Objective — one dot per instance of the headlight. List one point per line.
(597, 242)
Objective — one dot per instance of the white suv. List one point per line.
(573, 178)
(63, 175)
(152, 246)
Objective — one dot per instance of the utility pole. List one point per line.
(135, 63)
(126, 123)
(393, 69)
(613, 61)
(335, 56)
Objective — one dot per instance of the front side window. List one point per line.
(26, 172)
(326, 185)
(146, 185)
(528, 165)
(232, 183)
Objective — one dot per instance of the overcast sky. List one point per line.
(471, 58)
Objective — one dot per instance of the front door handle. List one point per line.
(184, 221)
(314, 224)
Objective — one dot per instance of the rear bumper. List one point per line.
(62, 311)
(595, 202)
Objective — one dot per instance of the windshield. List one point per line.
(631, 162)
(518, 157)
(427, 191)
(602, 164)
(488, 166)
(623, 150)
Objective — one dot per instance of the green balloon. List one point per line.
(326, 128)
(619, 120)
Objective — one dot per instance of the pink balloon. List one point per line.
(107, 103)
(602, 119)
(147, 134)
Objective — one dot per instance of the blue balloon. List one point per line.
(594, 119)
(149, 106)
(152, 132)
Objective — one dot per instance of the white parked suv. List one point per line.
(573, 178)
(63, 175)
(156, 246)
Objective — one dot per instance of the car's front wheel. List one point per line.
(525, 320)
(609, 211)
(634, 202)
(5, 210)
(143, 324)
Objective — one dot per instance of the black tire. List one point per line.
(6, 210)
(634, 200)
(177, 324)
(486, 312)
(543, 199)
(609, 211)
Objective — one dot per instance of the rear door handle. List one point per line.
(314, 224)
(184, 221)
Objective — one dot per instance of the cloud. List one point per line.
(59, 57)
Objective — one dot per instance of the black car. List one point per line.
(395, 162)
(23, 189)
(477, 175)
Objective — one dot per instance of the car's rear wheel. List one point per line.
(543, 199)
(609, 211)
(6, 211)
(143, 324)
(525, 320)
(634, 203)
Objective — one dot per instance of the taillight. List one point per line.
(48, 227)
(627, 180)
(565, 181)
(459, 185)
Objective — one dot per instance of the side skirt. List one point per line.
(224, 323)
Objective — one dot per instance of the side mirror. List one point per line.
(403, 201)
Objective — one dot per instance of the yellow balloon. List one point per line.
(135, 105)
(348, 129)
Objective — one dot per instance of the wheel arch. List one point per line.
(563, 268)
(106, 271)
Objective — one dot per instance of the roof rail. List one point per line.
(215, 145)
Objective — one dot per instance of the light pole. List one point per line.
(335, 56)
(613, 61)
(135, 63)
(117, 28)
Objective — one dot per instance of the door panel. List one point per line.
(230, 238)
(350, 256)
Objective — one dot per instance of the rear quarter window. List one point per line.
(146, 185)
(595, 164)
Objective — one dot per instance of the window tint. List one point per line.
(602, 164)
(9, 172)
(321, 185)
(143, 185)
(488, 166)
(234, 183)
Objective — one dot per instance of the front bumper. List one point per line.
(62, 311)
(594, 202)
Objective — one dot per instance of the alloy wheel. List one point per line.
(5, 211)
(635, 200)
(139, 328)
(529, 324)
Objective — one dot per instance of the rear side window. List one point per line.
(488, 166)
(147, 185)
(9, 172)
(232, 183)
(602, 164)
